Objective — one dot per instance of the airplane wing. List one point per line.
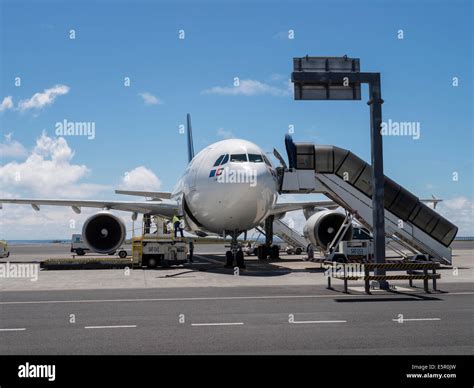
(155, 195)
(292, 206)
(162, 208)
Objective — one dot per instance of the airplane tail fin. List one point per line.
(435, 201)
(432, 200)
(190, 138)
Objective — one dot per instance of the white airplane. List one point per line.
(228, 188)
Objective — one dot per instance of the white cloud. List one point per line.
(40, 100)
(289, 87)
(48, 171)
(140, 178)
(7, 103)
(296, 220)
(248, 87)
(11, 148)
(225, 134)
(150, 99)
(460, 211)
(51, 222)
(277, 77)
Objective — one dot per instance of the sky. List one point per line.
(133, 69)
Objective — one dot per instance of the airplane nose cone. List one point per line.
(237, 200)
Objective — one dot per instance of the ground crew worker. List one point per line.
(177, 226)
(310, 252)
(191, 251)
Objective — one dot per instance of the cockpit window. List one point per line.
(225, 160)
(219, 160)
(238, 158)
(266, 160)
(255, 158)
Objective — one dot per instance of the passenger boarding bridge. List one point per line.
(346, 179)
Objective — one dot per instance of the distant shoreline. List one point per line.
(34, 242)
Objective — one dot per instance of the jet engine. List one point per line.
(103, 232)
(321, 228)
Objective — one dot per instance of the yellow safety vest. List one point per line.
(176, 219)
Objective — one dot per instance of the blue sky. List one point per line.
(139, 39)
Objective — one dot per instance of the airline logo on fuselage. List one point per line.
(216, 172)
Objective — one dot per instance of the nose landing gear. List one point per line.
(235, 252)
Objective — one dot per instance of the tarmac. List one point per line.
(206, 271)
(278, 307)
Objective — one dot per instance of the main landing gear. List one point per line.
(268, 251)
(235, 252)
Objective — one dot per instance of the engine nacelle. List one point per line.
(321, 228)
(103, 232)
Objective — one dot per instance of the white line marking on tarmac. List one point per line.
(319, 322)
(416, 319)
(208, 298)
(14, 329)
(109, 327)
(218, 324)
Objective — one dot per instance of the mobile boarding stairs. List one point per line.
(346, 179)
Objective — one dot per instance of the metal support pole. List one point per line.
(425, 280)
(366, 280)
(375, 103)
(320, 78)
(345, 280)
(435, 288)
